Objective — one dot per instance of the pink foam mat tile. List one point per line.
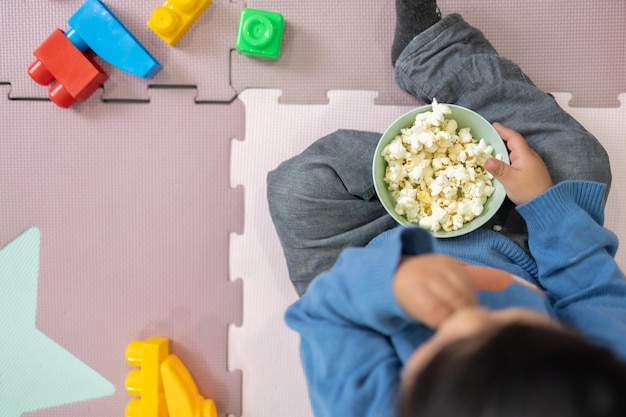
(201, 58)
(572, 46)
(135, 210)
(329, 46)
(604, 123)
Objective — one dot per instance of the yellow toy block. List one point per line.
(181, 394)
(172, 20)
(145, 382)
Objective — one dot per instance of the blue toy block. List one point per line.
(93, 25)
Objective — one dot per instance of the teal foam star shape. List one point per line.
(35, 372)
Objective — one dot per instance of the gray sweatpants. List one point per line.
(323, 200)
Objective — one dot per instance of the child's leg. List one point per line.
(454, 63)
(323, 200)
(412, 18)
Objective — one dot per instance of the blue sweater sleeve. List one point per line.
(574, 255)
(345, 321)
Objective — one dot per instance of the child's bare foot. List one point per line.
(412, 18)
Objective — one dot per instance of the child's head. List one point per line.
(516, 368)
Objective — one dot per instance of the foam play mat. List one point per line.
(141, 211)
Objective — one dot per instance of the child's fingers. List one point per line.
(450, 293)
(506, 133)
(518, 147)
(461, 285)
(527, 176)
(497, 168)
(514, 141)
(431, 287)
(431, 310)
(422, 303)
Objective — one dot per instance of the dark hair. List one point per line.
(518, 370)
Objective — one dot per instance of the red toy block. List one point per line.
(76, 74)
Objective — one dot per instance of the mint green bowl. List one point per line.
(479, 127)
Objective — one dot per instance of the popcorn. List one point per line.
(435, 171)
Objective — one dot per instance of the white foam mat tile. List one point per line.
(264, 348)
(608, 125)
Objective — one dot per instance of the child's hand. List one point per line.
(430, 288)
(527, 176)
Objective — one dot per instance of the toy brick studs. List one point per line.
(144, 382)
(172, 20)
(260, 33)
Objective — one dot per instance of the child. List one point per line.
(530, 320)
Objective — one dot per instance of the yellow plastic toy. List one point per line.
(181, 394)
(145, 382)
(163, 383)
(172, 20)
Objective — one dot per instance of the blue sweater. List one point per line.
(355, 338)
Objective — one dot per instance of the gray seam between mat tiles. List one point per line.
(345, 46)
(326, 46)
(201, 58)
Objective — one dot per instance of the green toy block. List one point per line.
(260, 33)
